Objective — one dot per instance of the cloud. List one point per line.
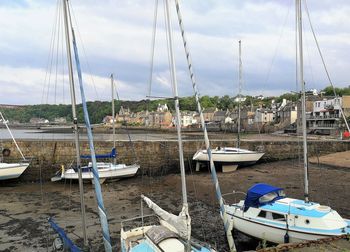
(115, 37)
(32, 86)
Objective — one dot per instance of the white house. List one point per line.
(263, 115)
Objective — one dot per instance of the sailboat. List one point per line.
(232, 155)
(267, 214)
(107, 170)
(65, 243)
(12, 170)
(169, 232)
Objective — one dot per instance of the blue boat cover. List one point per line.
(257, 191)
(113, 154)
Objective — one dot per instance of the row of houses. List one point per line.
(323, 115)
(163, 118)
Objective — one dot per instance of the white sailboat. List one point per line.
(231, 155)
(107, 170)
(267, 214)
(12, 170)
(170, 232)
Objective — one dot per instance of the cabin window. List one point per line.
(266, 215)
(307, 221)
(269, 216)
(268, 197)
(262, 214)
(278, 217)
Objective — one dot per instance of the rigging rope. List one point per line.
(278, 44)
(324, 64)
(212, 166)
(2, 119)
(49, 58)
(167, 23)
(86, 61)
(57, 50)
(154, 33)
(136, 160)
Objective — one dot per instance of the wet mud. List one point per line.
(26, 207)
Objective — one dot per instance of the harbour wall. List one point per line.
(155, 157)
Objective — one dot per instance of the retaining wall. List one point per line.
(155, 157)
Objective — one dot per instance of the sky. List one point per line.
(116, 37)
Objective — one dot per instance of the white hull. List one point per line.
(306, 221)
(106, 171)
(229, 155)
(11, 171)
(272, 234)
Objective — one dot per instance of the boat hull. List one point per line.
(271, 233)
(12, 171)
(243, 157)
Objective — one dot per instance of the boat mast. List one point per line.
(98, 192)
(223, 214)
(75, 119)
(113, 116)
(178, 122)
(303, 98)
(239, 96)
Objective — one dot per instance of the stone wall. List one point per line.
(155, 157)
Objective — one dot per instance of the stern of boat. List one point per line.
(198, 156)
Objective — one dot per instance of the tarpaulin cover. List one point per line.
(113, 154)
(256, 191)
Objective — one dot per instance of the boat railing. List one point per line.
(140, 221)
(231, 196)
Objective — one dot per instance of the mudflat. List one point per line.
(25, 207)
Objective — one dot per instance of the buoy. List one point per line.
(6, 152)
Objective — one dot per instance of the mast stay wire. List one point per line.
(150, 80)
(57, 50)
(282, 29)
(154, 33)
(63, 55)
(47, 79)
(324, 64)
(212, 165)
(136, 160)
(168, 49)
(85, 58)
